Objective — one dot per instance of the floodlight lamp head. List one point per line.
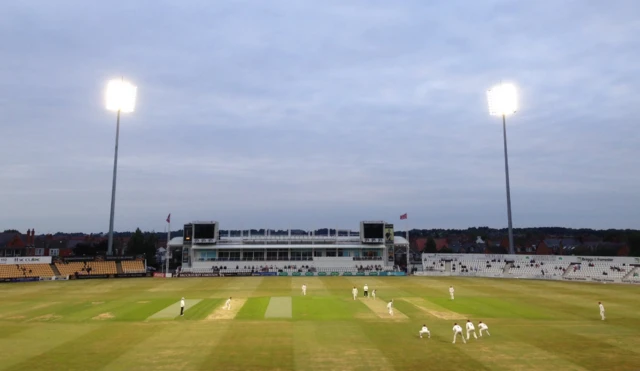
(502, 99)
(121, 96)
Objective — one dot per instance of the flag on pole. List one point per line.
(403, 216)
(169, 218)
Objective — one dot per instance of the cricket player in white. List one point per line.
(373, 294)
(457, 330)
(182, 307)
(483, 327)
(366, 290)
(227, 304)
(601, 310)
(424, 330)
(471, 329)
(355, 293)
(390, 307)
(304, 289)
(451, 292)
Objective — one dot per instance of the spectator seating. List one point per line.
(634, 276)
(537, 269)
(91, 267)
(25, 270)
(132, 266)
(433, 265)
(483, 267)
(598, 270)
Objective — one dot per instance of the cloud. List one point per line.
(299, 114)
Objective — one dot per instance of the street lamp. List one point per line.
(121, 97)
(503, 101)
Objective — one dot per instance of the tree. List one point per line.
(136, 245)
(634, 243)
(430, 247)
(150, 248)
(84, 249)
(11, 231)
(102, 247)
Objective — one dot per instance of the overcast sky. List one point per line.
(319, 113)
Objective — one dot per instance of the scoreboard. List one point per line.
(201, 233)
(372, 232)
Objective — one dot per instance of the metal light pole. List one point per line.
(113, 188)
(503, 101)
(121, 97)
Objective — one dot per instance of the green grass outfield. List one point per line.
(129, 324)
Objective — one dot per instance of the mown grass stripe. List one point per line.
(279, 307)
(173, 310)
(79, 354)
(254, 308)
(201, 310)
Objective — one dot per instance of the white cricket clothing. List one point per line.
(424, 330)
(304, 289)
(471, 329)
(470, 326)
(451, 292)
(601, 311)
(483, 327)
(366, 288)
(182, 303)
(390, 307)
(373, 293)
(458, 330)
(227, 304)
(355, 293)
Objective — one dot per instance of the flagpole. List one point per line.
(408, 244)
(166, 258)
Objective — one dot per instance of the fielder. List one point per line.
(601, 310)
(424, 330)
(457, 330)
(390, 307)
(373, 294)
(483, 327)
(304, 289)
(366, 290)
(227, 304)
(354, 292)
(471, 329)
(182, 307)
(451, 292)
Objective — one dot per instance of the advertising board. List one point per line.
(26, 260)
(208, 274)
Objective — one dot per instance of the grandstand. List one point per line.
(598, 269)
(205, 250)
(553, 267)
(25, 270)
(528, 270)
(87, 268)
(133, 266)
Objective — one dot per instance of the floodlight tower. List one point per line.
(503, 101)
(121, 97)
